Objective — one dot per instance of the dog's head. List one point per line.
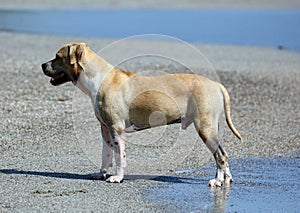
(67, 64)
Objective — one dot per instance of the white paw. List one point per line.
(218, 183)
(98, 176)
(228, 181)
(115, 179)
(215, 182)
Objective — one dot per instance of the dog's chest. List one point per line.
(89, 86)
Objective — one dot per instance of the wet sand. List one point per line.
(46, 161)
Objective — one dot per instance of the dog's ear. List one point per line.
(76, 52)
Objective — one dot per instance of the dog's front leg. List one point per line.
(120, 157)
(107, 154)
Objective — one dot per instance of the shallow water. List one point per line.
(274, 28)
(260, 185)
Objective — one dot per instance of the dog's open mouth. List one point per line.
(59, 79)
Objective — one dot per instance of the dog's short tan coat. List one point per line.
(128, 102)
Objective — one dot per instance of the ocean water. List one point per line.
(273, 28)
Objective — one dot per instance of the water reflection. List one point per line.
(262, 184)
(220, 198)
(192, 195)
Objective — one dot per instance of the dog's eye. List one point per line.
(57, 57)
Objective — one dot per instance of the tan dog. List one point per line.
(128, 102)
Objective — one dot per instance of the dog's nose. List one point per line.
(44, 66)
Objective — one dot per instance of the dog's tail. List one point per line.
(227, 112)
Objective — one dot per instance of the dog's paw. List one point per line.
(115, 179)
(98, 176)
(218, 183)
(228, 181)
(215, 182)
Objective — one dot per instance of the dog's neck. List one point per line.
(90, 78)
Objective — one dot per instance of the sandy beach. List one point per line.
(47, 153)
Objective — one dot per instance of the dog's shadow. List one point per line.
(74, 176)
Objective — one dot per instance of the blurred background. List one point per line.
(233, 22)
(46, 153)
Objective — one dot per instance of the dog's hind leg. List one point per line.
(208, 134)
(223, 175)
